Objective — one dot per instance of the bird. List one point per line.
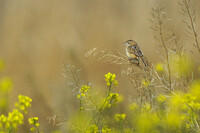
(134, 53)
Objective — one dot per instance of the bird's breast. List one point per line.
(129, 54)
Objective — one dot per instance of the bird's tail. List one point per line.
(144, 62)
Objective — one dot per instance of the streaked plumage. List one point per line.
(134, 52)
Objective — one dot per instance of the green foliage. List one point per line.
(170, 112)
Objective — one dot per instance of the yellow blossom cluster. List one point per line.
(12, 121)
(112, 99)
(120, 117)
(16, 117)
(93, 129)
(24, 103)
(83, 91)
(34, 121)
(110, 78)
(105, 129)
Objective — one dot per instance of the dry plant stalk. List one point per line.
(107, 56)
(159, 20)
(190, 12)
(58, 120)
(143, 92)
(180, 52)
(73, 77)
(135, 77)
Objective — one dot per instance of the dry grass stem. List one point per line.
(159, 20)
(190, 11)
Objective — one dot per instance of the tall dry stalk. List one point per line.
(188, 10)
(180, 52)
(158, 21)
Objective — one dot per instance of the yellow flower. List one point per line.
(106, 130)
(36, 118)
(108, 84)
(33, 121)
(120, 117)
(159, 67)
(93, 129)
(85, 88)
(145, 82)
(116, 83)
(22, 107)
(78, 96)
(114, 97)
(133, 106)
(110, 78)
(37, 124)
(82, 94)
(3, 118)
(24, 103)
(32, 129)
(14, 119)
(113, 77)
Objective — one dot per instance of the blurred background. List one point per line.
(37, 37)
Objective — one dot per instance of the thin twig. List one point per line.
(191, 16)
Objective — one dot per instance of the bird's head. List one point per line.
(130, 43)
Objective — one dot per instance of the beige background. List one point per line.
(38, 36)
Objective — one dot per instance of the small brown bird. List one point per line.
(134, 53)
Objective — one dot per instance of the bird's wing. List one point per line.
(144, 62)
(136, 51)
(131, 50)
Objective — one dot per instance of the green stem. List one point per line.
(99, 109)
